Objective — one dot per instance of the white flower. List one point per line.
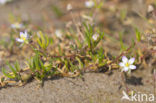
(58, 33)
(17, 25)
(150, 8)
(2, 2)
(24, 37)
(89, 4)
(95, 36)
(127, 65)
(69, 7)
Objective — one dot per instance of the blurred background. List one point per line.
(117, 18)
(55, 13)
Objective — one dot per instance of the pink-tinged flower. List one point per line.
(95, 36)
(89, 3)
(24, 37)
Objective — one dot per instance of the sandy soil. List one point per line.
(95, 88)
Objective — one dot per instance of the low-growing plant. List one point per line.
(91, 38)
(40, 70)
(43, 40)
(15, 71)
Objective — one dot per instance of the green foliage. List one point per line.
(88, 35)
(123, 46)
(43, 40)
(15, 71)
(57, 11)
(138, 35)
(81, 65)
(98, 57)
(39, 69)
(99, 4)
(96, 42)
(13, 18)
(89, 32)
(71, 66)
(123, 14)
(78, 43)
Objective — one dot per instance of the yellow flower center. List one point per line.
(16, 24)
(127, 64)
(23, 37)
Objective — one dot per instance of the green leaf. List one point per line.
(138, 35)
(43, 40)
(88, 35)
(57, 11)
(12, 69)
(123, 46)
(80, 63)
(72, 67)
(17, 67)
(7, 74)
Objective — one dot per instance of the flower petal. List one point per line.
(124, 59)
(125, 69)
(95, 36)
(22, 34)
(89, 4)
(13, 26)
(121, 64)
(132, 67)
(131, 61)
(58, 33)
(19, 40)
(26, 33)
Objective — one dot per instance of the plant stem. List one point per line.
(123, 79)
